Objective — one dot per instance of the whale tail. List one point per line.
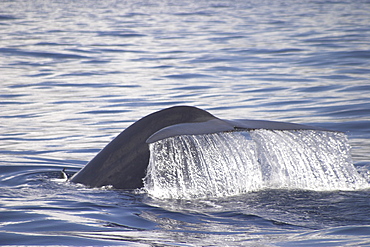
(124, 161)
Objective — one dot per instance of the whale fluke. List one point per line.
(123, 162)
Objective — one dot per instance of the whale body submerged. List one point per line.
(124, 161)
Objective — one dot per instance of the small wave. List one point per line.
(187, 76)
(7, 17)
(24, 175)
(19, 52)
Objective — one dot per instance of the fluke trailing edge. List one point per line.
(123, 162)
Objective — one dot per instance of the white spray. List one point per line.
(225, 164)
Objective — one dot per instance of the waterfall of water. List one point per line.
(224, 164)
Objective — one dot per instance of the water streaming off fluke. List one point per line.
(224, 164)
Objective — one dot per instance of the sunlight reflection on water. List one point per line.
(75, 74)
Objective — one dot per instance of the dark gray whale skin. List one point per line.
(123, 162)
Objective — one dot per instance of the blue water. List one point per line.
(75, 74)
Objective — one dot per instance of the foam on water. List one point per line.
(224, 164)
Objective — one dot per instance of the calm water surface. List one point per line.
(75, 74)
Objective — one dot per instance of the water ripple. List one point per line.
(74, 74)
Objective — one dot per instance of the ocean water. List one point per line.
(75, 74)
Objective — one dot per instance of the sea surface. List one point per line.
(74, 74)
